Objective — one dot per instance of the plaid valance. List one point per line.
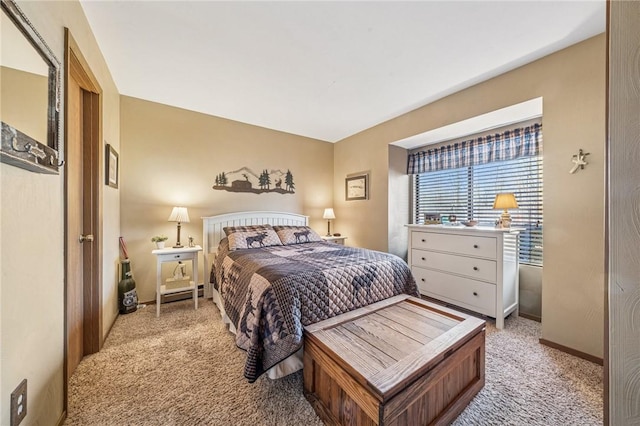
(508, 145)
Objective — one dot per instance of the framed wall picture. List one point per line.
(112, 164)
(357, 187)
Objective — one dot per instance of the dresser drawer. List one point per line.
(479, 269)
(165, 257)
(459, 244)
(475, 295)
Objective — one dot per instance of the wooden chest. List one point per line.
(402, 361)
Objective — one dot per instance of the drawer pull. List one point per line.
(475, 246)
(475, 293)
(423, 240)
(422, 279)
(475, 268)
(424, 258)
(177, 256)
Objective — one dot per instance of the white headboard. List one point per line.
(212, 231)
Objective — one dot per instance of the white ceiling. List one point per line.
(325, 70)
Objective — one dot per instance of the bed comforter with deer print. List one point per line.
(271, 293)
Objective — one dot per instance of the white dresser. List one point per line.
(474, 268)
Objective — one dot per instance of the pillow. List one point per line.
(255, 236)
(296, 234)
(228, 230)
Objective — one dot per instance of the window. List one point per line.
(469, 192)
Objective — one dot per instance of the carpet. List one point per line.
(184, 369)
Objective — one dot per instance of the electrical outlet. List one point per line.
(19, 403)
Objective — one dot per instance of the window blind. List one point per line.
(469, 192)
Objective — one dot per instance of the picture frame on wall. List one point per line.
(357, 187)
(112, 164)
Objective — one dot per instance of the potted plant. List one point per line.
(159, 240)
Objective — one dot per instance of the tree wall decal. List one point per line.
(245, 180)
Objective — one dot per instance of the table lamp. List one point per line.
(180, 215)
(329, 214)
(504, 201)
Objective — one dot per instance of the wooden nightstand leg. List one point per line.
(158, 284)
(194, 264)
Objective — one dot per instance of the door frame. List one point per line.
(76, 67)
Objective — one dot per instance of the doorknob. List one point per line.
(88, 238)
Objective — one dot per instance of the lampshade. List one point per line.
(179, 214)
(328, 214)
(505, 200)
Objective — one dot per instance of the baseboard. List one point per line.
(62, 418)
(110, 328)
(572, 351)
(176, 297)
(530, 317)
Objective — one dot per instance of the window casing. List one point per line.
(469, 192)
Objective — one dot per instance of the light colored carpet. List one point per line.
(184, 369)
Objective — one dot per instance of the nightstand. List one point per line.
(177, 255)
(335, 240)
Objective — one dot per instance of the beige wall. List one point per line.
(530, 283)
(399, 202)
(171, 156)
(572, 84)
(31, 243)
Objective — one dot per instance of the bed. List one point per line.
(271, 275)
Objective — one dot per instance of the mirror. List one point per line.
(29, 95)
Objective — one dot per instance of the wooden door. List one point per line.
(75, 227)
(83, 222)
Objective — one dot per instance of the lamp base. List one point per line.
(328, 228)
(178, 245)
(505, 220)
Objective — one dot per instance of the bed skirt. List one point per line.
(287, 366)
